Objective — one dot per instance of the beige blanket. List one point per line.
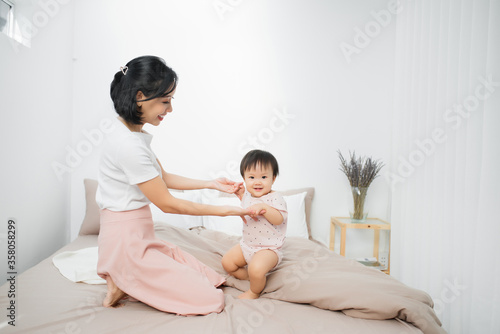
(311, 274)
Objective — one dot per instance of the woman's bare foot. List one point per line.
(114, 295)
(248, 295)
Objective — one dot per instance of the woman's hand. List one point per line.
(238, 211)
(230, 210)
(225, 185)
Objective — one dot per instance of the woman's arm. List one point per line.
(157, 192)
(178, 182)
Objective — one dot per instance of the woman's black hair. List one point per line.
(261, 158)
(147, 74)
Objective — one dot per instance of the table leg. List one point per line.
(332, 236)
(342, 241)
(376, 243)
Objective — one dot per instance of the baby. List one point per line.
(260, 245)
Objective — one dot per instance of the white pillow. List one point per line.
(297, 224)
(182, 221)
(232, 225)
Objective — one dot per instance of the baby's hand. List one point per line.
(258, 210)
(239, 189)
(250, 213)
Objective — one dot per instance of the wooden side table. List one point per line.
(371, 223)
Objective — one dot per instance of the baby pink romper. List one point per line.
(261, 234)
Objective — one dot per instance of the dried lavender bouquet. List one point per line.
(360, 172)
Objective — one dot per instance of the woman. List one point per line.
(131, 259)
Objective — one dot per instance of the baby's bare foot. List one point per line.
(248, 295)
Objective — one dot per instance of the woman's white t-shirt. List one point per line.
(126, 160)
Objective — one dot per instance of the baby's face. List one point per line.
(258, 180)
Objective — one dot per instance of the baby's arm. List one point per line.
(272, 215)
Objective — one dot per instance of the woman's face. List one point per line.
(155, 110)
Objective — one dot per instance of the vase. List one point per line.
(357, 211)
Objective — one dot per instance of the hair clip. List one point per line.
(124, 69)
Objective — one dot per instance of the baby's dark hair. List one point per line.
(148, 74)
(261, 158)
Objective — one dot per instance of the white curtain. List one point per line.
(445, 163)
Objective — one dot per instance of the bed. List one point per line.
(312, 291)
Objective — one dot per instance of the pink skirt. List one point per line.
(154, 271)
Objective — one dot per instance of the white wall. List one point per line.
(35, 95)
(236, 69)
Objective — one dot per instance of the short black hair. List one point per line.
(148, 74)
(261, 158)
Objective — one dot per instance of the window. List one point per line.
(6, 16)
